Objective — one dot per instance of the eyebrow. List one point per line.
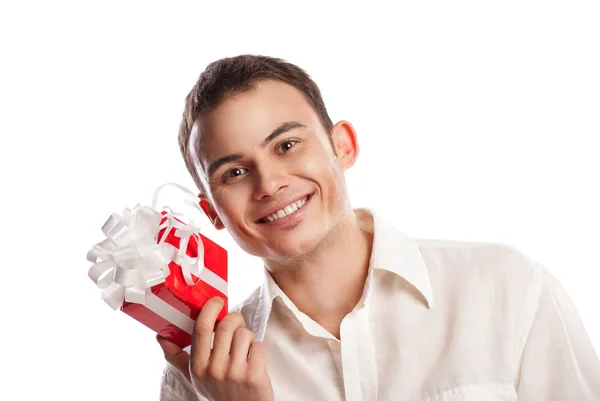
(282, 129)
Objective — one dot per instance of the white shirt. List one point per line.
(438, 321)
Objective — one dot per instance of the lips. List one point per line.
(264, 219)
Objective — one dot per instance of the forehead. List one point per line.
(243, 121)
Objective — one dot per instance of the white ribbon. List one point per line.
(130, 260)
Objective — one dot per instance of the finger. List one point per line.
(203, 331)
(175, 356)
(240, 346)
(224, 335)
(257, 360)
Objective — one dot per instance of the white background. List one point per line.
(477, 121)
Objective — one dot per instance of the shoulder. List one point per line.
(496, 270)
(486, 258)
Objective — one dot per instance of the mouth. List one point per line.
(288, 211)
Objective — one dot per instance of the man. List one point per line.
(351, 308)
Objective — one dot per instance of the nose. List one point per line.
(270, 180)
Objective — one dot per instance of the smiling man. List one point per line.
(351, 308)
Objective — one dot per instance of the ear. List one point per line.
(210, 212)
(345, 143)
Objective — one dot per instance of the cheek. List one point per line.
(229, 210)
(316, 162)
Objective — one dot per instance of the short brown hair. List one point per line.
(233, 75)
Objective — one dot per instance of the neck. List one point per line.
(327, 284)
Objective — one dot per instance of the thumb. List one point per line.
(175, 356)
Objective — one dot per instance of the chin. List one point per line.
(296, 246)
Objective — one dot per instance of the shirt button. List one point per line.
(333, 344)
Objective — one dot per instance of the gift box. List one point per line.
(158, 268)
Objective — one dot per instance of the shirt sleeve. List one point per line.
(558, 362)
(174, 386)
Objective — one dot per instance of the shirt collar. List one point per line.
(396, 252)
(392, 250)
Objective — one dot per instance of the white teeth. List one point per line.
(286, 211)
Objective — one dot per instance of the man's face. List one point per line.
(270, 171)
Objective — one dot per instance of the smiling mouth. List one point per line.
(289, 210)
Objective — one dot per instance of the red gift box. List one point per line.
(185, 299)
(151, 278)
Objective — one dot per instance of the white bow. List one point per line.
(130, 259)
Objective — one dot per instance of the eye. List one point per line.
(286, 145)
(235, 172)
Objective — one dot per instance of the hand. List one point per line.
(235, 369)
